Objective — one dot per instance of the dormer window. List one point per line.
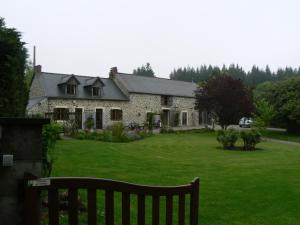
(68, 85)
(95, 91)
(71, 89)
(94, 87)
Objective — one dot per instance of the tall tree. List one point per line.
(13, 90)
(284, 97)
(226, 98)
(144, 70)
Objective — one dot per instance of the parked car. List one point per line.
(245, 122)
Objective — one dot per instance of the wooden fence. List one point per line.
(53, 185)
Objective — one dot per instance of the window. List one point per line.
(184, 118)
(166, 100)
(95, 91)
(61, 114)
(116, 114)
(71, 89)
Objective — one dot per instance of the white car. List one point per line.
(245, 122)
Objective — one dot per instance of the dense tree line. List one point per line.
(13, 89)
(251, 78)
(144, 70)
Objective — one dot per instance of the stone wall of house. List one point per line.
(135, 110)
(36, 89)
(39, 108)
(182, 104)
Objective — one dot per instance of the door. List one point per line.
(78, 118)
(165, 117)
(184, 118)
(99, 118)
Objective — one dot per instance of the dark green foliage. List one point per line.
(252, 78)
(118, 133)
(284, 97)
(49, 136)
(82, 135)
(226, 98)
(13, 90)
(28, 74)
(70, 127)
(250, 138)
(227, 138)
(89, 123)
(150, 121)
(264, 114)
(144, 71)
(107, 135)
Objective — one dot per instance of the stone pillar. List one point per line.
(21, 139)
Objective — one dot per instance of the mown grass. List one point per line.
(237, 187)
(281, 135)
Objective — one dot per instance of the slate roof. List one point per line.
(155, 85)
(91, 81)
(50, 81)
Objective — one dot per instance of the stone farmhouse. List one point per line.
(121, 97)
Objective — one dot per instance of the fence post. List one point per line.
(194, 203)
(32, 202)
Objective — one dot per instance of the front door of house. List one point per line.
(78, 118)
(165, 117)
(184, 118)
(99, 118)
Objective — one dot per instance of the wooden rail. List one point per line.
(73, 184)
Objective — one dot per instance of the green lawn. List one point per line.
(281, 135)
(259, 187)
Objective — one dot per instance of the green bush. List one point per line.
(150, 121)
(106, 135)
(227, 138)
(70, 127)
(82, 135)
(50, 134)
(250, 138)
(118, 134)
(89, 123)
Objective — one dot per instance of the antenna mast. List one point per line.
(34, 57)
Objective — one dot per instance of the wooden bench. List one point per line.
(53, 185)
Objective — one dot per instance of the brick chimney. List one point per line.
(113, 71)
(38, 69)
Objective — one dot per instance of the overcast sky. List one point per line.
(89, 37)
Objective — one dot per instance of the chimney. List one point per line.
(113, 72)
(38, 69)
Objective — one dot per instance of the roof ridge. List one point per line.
(65, 74)
(162, 78)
